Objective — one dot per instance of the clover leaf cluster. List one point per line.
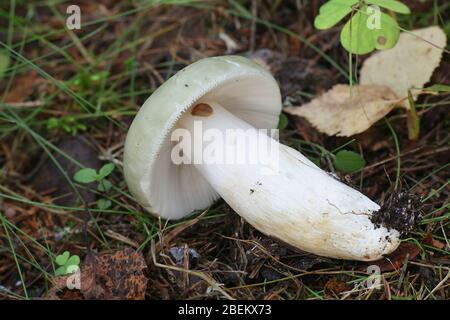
(367, 28)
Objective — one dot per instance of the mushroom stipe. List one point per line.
(297, 203)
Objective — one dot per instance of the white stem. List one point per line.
(288, 197)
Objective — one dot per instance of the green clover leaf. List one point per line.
(355, 36)
(332, 12)
(86, 175)
(61, 271)
(332, 5)
(392, 5)
(103, 204)
(66, 263)
(358, 38)
(348, 161)
(329, 19)
(62, 258)
(387, 36)
(73, 261)
(104, 186)
(368, 28)
(106, 170)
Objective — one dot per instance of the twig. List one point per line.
(438, 285)
(27, 104)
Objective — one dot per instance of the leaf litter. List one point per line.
(338, 113)
(409, 64)
(386, 77)
(106, 275)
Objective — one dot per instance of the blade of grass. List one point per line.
(397, 149)
(19, 269)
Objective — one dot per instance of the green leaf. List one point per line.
(283, 122)
(99, 76)
(4, 63)
(103, 204)
(387, 36)
(438, 88)
(336, 4)
(61, 271)
(66, 128)
(104, 186)
(330, 18)
(52, 123)
(62, 258)
(81, 127)
(72, 268)
(106, 170)
(73, 261)
(348, 161)
(86, 175)
(392, 5)
(356, 37)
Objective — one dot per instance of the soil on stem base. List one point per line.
(402, 212)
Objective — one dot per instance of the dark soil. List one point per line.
(402, 212)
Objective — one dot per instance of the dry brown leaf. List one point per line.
(433, 242)
(117, 275)
(409, 64)
(334, 287)
(114, 276)
(338, 113)
(22, 87)
(396, 259)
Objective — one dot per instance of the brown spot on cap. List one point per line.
(381, 40)
(202, 110)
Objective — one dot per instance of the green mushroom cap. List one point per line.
(173, 191)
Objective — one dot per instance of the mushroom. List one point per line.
(286, 196)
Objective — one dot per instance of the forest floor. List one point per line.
(68, 98)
